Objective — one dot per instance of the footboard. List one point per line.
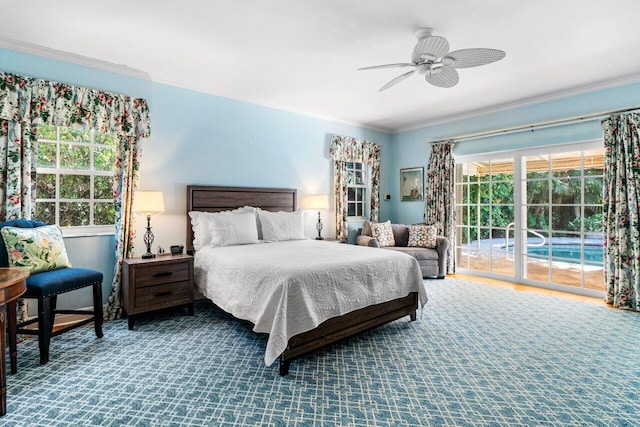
(347, 325)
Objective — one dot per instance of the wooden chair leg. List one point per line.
(44, 328)
(13, 326)
(53, 304)
(97, 308)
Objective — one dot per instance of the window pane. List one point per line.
(593, 191)
(537, 166)
(538, 217)
(46, 186)
(74, 157)
(565, 217)
(351, 209)
(484, 193)
(68, 134)
(501, 216)
(47, 155)
(593, 219)
(46, 212)
(359, 194)
(47, 132)
(104, 138)
(351, 194)
(537, 192)
(104, 159)
(566, 191)
(75, 186)
(502, 193)
(74, 214)
(566, 164)
(102, 187)
(104, 214)
(359, 209)
(484, 215)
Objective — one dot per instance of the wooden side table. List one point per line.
(155, 283)
(12, 285)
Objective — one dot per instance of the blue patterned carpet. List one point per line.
(480, 355)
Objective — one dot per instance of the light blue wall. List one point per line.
(198, 138)
(411, 148)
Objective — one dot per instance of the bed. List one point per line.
(285, 300)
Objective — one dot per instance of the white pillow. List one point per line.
(200, 224)
(233, 228)
(279, 226)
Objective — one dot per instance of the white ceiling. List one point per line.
(302, 55)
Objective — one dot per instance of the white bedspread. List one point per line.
(287, 288)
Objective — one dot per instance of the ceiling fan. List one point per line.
(432, 58)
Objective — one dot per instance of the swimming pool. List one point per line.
(569, 253)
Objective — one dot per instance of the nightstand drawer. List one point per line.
(150, 284)
(159, 273)
(158, 295)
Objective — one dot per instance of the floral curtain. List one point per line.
(27, 102)
(127, 176)
(439, 200)
(621, 200)
(345, 149)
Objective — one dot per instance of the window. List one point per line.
(534, 215)
(356, 190)
(75, 179)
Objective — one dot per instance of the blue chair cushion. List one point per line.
(54, 282)
(22, 223)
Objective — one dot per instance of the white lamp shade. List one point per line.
(316, 202)
(148, 202)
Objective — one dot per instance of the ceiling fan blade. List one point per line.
(433, 45)
(375, 67)
(447, 77)
(474, 57)
(397, 80)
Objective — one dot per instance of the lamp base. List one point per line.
(319, 238)
(148, 255)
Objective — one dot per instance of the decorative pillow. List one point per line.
(39, 249)
(279, 226)
(422, 236)
(383, 233)
(200, 224)
(231, 228)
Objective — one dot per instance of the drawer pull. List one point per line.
(163, 294)
(163, 274)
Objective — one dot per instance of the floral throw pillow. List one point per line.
(38, 249)
(383, 233)
(422, 236)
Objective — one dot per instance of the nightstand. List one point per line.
(156, 283)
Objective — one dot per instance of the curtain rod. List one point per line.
(537, 125)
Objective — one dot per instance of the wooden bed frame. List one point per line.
(215, 199)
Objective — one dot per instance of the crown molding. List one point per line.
(580, 90)
(37, 50)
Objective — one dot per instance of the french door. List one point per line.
(533, 216)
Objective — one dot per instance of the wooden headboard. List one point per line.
(209, 198)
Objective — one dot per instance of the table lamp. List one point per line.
(148, 203)
(317, 202)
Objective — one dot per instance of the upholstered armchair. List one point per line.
(46, 282)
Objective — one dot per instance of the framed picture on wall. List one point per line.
(411, 184)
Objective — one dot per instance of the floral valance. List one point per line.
(348, 149)
(35, 101)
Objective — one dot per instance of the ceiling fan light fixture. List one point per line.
(431, 57)
(448, 61)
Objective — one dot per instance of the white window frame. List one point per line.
(83, 230)
(520, 214)
(365, 186)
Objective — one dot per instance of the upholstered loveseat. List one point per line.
(432, 261)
